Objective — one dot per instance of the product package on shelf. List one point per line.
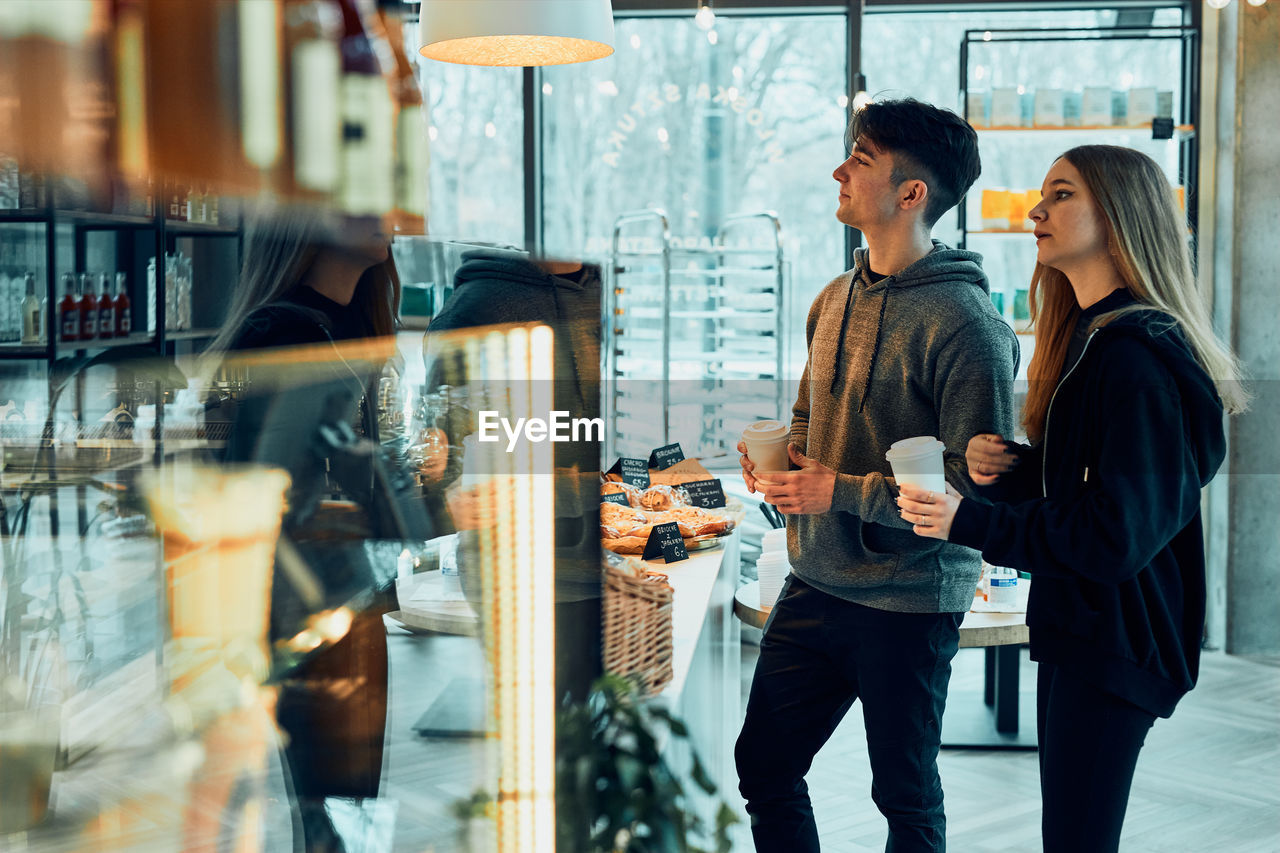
(1006, 107)
(1095, 106)
(1141, 105)
(177, 293)
(1049, 108)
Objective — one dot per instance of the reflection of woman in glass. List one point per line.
(1128, 387)
(307, 280)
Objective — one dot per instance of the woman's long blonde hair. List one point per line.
(280, 245)
(1147, 235)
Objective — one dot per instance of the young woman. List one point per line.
(1128, 387)
(314, 279)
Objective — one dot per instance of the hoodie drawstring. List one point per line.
(844, 329)
(875, 350)
(844, 325)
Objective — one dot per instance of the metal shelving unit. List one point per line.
(1183, 134)
(694, 336)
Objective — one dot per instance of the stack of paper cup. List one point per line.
(918, 462)
(773, 566)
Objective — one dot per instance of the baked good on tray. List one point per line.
(625, 530)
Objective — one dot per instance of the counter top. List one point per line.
(693, 581)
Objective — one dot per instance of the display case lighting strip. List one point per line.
(518, 364)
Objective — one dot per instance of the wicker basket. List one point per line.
(637, 627)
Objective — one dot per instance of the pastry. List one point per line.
(663, 497)
(612, 488)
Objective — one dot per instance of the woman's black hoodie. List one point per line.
(1108, 521)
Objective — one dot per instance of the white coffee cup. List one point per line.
(766, 443)
(918, 462)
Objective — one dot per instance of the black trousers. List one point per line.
(1089, 744)
(818, 655)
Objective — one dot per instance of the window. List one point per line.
(475, 126)
(749, 116)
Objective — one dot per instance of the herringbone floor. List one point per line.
(1208, 780)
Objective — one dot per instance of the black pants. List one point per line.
(818, 655)
(1089, 744)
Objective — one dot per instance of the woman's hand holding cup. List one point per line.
(988, 456)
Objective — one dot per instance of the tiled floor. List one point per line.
(1208, 779)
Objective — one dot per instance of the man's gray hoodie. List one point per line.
(921, 352)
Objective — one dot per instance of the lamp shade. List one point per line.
(516, 32)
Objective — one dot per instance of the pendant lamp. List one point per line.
(516, 32)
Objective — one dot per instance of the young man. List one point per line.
(906, 343)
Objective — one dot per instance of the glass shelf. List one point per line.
(1180, 131)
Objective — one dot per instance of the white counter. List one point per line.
(706, 686)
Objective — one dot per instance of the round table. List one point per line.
(966, 724)
(427, 606)
(978, 630)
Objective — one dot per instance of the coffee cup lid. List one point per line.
(920, 445)
(768, 430)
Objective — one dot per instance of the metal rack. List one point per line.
(693, 333)
(1184, 39)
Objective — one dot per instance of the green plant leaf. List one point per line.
(699, 774)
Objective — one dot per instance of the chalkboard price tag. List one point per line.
(1162, 128)
(633, 471)
(707, 494)
(665, 457)
(615, 498)
(665, 541)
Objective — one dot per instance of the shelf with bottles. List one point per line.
(76, 217)
(185, 228)
(22, 351)
(145, 339)
(192, 334)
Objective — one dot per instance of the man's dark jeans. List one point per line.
(818, 655)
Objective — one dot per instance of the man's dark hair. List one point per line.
(927, 143)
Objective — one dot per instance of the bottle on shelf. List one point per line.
(8, 182)
(181, 313)
(194, 205)
(151, 294)
(123, 311)
(411, 158)
(69, 310)
(32, 315)
(7, 307)
(177, 208)
(88, 308)
(312, 31)
(106, 308)
(368, 158)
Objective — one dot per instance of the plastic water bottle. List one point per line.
(1002, 588)
(449, 570)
